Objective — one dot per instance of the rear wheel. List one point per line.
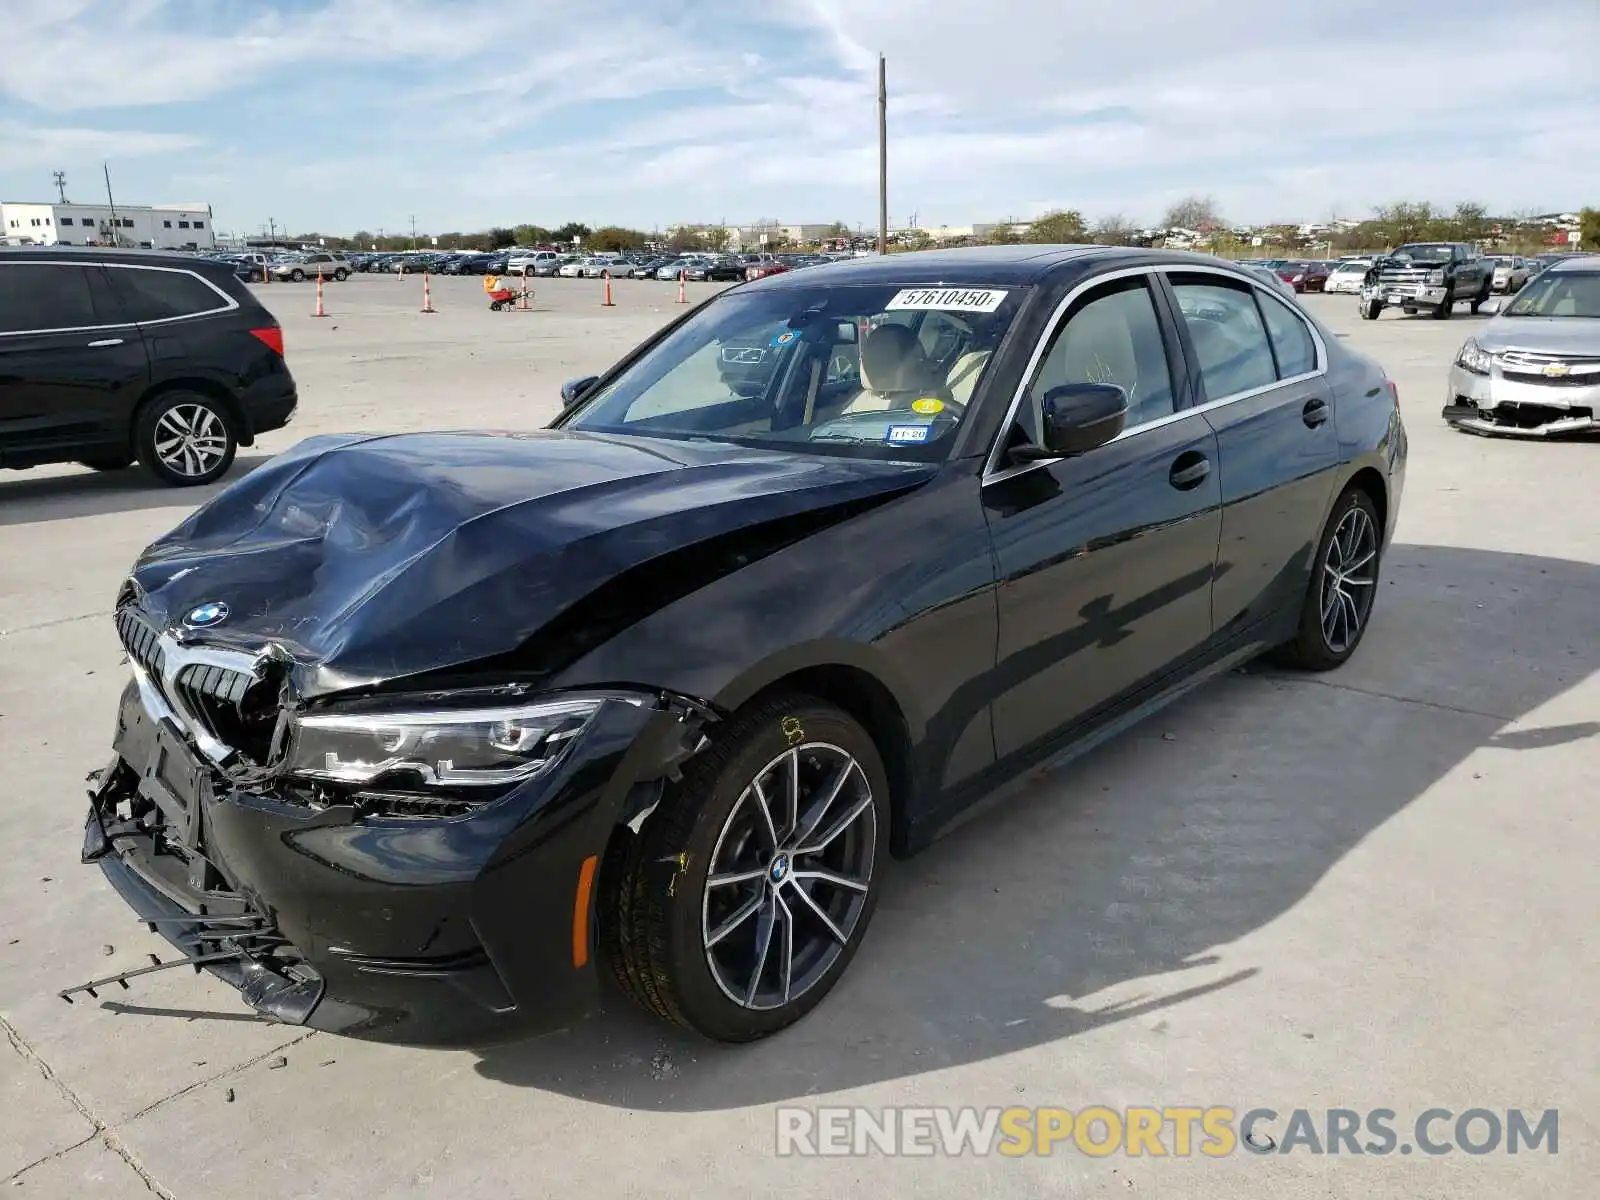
(744, 897)
(341, 274)
(185, 439)
(1344, 583)
(1481, 298)
(297, 275)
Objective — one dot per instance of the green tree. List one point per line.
(501, 236)
(1397, 224)
(614, 237)
(1589, 230)
(1199, 213)
(1064, 226)
(1003, 234)
(715, 237)
(1114, 230)
(1470, 224)
(684, 239)
(570, 232)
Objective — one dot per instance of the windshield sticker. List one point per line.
(907, 433)
(784, 338)
(927, 406)
(978, 300)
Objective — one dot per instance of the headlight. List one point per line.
(1435, 278)
(1473, 358)
(439, 747)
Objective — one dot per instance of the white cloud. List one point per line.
(480, 111)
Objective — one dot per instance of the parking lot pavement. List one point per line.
(1371, 889)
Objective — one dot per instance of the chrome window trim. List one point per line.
(993, 473)
(229, 304)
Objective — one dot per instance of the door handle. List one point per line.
(1314, 413)
(1189, 470)
(107, 342)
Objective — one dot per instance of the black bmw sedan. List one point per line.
(426, 733)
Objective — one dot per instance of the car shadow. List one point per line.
(34, 499)
(1113, 889)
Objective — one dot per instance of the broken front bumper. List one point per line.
(1495, 404)
(428, 930)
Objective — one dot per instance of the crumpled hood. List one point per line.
(371, 558)
(1577, 336)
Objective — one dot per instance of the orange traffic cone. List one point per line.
(427, 296)
(321, 311)
(607, 302)
(683, 294)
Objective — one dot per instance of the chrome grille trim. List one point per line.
(171, 677)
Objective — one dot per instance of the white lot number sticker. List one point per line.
(978, 300)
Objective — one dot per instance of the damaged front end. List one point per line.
(410, 867)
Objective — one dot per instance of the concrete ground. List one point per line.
(1371, 889)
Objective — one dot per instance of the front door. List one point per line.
(70, 373)
(1267, 396)
(1104, 560)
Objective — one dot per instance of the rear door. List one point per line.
(71, 365)
(1262, 372)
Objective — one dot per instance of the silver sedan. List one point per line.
(1534, 370)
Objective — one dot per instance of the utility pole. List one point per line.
(272, 234)
(61, 185)
(883, 156)
(116, 225)
(413, 233)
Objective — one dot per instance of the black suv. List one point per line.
(107, 356)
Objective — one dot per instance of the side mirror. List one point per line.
(1078, 417)
(1490, 306)
(573, 390)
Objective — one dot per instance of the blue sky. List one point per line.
(335, 115)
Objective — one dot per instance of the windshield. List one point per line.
(880, 371)
(1558, 294)
(1425, 252)
(1356, 265)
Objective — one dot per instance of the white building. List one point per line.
(157, 227)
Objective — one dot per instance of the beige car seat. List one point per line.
(894, 371)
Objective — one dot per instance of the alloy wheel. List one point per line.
(789, 876)
(191, 440)
(1349, 579)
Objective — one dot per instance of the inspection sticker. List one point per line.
(908, 433)
(979, 300)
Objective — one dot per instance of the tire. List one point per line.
(206, 441)
(494, 306)
(1317, 645)
(658, 913)
(1446, 307)
(107, 462)
(341, 274)
(1370, 310)
(297, 275)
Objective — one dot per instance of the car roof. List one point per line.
(1575, 262)
(967, 266)
(117, 254)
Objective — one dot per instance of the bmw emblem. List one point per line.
(213, 612)
(780, 869)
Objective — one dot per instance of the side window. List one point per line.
(1291, 339)
(151, 295)
(45, 296)
(1229, 339)
(1112, 336)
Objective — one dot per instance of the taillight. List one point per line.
(1394, 392)
(272, 336)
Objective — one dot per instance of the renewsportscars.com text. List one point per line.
(1177, 1131)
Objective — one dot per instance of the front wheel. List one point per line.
(1370, 309)
(744, 897)
(1446, 308)
(297, 275)
(1343, 586)
(341, 274)
(185, 439)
